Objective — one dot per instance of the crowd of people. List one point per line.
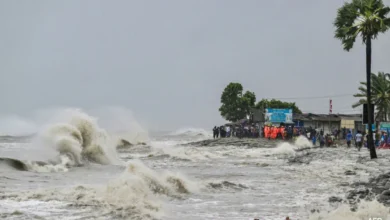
(358, 138)
(255, 131)
(381, 139)
(315, 135)
(291, 132)
(240, 131)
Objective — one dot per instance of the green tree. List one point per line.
(273, 103)
(380, 94)
(366, 18)
(236, 105)
(248, 102)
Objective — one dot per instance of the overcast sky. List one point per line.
(168, 61)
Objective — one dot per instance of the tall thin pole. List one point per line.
(370, 141)
(330, 112)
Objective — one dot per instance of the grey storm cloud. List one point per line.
(168, 61)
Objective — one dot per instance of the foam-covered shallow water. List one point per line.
(165, 179)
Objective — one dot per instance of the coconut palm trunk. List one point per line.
(370, 141)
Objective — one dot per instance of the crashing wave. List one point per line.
(135, 194)
(162, 183)
(37, 166)
(75, 139)
(287, 148)
(81, 139)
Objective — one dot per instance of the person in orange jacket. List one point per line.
(270, 132)
(283, 132)
(274, 132)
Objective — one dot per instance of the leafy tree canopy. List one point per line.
(380, 94)
(273, 103)
(236, 105)
(366, 18)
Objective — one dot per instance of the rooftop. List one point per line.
(326, 117)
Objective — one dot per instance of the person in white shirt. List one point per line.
(359, 140)
(227, 131)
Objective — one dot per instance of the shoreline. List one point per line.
(234, 141)
(376, 188)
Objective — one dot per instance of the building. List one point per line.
(329, 122)
(325, 122)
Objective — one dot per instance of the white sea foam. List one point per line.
(366, 210)
(192, 132)
(164, 182)
(149, 192)
(174, 150)
(136, 194)
(290, 149)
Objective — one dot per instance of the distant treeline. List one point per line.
(237, 105)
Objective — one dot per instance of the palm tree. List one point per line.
(380, 95)
(366, 18)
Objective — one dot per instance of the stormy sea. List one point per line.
(76, 168)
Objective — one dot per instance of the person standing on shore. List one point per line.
(222, 132)
(314, 140)
(344, 133)
(322, 141)
(313, 136)
(349, 138)
(358, 139)
(227, 131)
(377, 139)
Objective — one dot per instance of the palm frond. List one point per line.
(366, 18)
(359, 95)
(386, 21)
(380, 93)
(363, 90)
(345, 31)
(359, 103)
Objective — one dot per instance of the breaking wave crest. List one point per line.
(72, 138)
(165, 182)
(81, 139)
(287, 148)
(135, 194)
(37, 166)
